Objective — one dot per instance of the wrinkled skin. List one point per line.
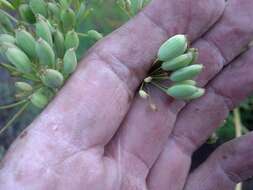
(98, 135)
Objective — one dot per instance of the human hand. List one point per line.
(97, 135)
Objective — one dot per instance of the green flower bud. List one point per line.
(38, 7)
(94, 34)
(26, 13)
(69, 61)
(45, 53)
(71, 40)
(186, 73)
(26, 42)
(181, 91)
(200, 92)
(173, 47)
(6, 38)
(59, 43)
(23, 86)
(52, 78)
(43, 30)
(178, 62)
(54, 10)
(19, 59)
(68, 19)
(39, 100)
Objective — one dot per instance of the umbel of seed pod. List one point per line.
(173, 47)
(52, 78)
(45, 53)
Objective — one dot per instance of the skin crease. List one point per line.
(97, 135)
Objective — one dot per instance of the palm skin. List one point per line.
(98, 135)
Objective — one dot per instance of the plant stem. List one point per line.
(82, 34)
(158, 86)
(13, 119)
(13, 104)
(238, 133)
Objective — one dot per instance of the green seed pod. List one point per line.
(6, 22)
(43, 30)
(59, 43)
(38, 7)
(81, 13)
(71, 40)
(6, 4)
(54, 10)
(45, 53)
(200, 92)
(19, 59)
(69, 61)
(52, 78)
(26, 42)
(39, 100)
(68, 19)
(190, 82)
(173, 47)
(186, 73)
(178, 62)
(95, 34)
(181, 91)
(23, 86)
(6, 38)
(26, 13)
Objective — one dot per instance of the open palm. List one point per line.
(98, 135)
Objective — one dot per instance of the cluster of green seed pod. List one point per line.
(38, 46)
(174, 70)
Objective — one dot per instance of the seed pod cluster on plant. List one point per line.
(39, 45)
(174, 70)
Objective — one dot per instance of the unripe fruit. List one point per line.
(178, 62)
(69, 62)
(39, 100)
(26, 13)
(5, 22)
(43, 30)
(54, 10)
(19, 59)
(181, 91)
(94, 34)
(6, 4)
(186, 73)
(23, 86)
(52, 78)
(71, 40)
(173, 47)
(68, 19)
(6, 38)
(26, 42)
(45, 53)
(38, 7)
(190, 82)
(59, 43)
(200, 92)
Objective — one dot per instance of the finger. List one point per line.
(144, 132)
(228, 165)
(200, 118)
